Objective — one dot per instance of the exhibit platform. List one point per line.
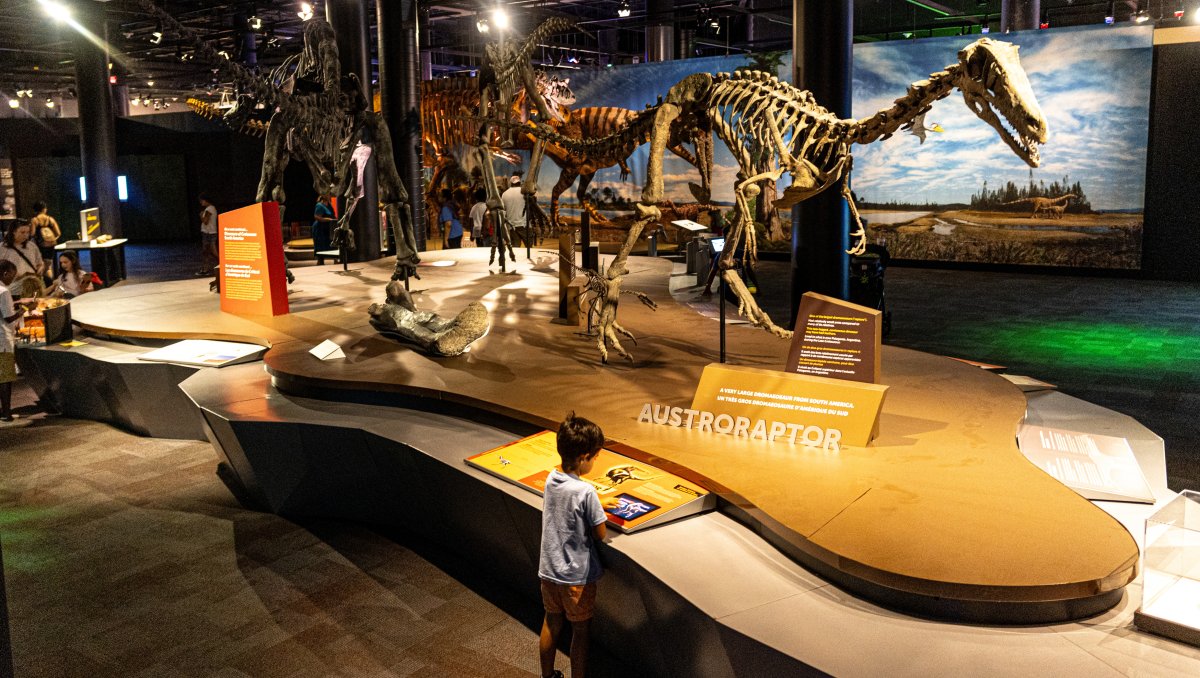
(940, 516)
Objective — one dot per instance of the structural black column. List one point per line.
(660, 30)
(350, 27)
(400, 98)
(97, 128)
(1020, 15)
(823, 35)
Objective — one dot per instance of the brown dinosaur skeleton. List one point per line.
(772, 129)
(1051, 207)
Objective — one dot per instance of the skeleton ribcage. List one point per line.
(768, 125)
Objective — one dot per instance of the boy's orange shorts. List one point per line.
(578, 603)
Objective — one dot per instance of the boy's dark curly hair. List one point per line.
(578, 438)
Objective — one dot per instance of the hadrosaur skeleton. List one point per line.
(773, 129)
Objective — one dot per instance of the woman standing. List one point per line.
(46, 232)
(71, 280)
(18, 247)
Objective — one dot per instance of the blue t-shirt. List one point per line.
(455, 225)
(322, 210)
(570, 510)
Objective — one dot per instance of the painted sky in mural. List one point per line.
(1093, 85)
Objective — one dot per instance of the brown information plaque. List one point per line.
(836, 339)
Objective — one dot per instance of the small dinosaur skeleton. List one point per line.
(772, 129)
(1049, 206)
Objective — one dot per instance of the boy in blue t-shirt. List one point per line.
(572, 525)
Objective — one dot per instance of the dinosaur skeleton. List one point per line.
(507, 68)
(322, 118)
(1053, 207)
(772, 129)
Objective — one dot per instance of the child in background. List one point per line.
(573, 523)
(10, 320)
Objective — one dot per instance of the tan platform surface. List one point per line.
(941, 504)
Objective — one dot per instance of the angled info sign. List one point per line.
(836, 339)
(253, 280)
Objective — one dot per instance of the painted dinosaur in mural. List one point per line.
(596, 122)
(1051, 207)
(772, 128)
(321, 117)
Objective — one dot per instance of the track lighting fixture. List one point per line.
(481, 24)
(624, 10)
(306, 11)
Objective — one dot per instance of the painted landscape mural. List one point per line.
(963, 196)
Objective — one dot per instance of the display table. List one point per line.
(941, 515)
(107, 259)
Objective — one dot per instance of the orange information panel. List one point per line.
(253, 280)
(647, 495)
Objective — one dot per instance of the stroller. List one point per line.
(866, 282)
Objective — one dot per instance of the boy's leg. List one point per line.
(579, 647)
(548, 641)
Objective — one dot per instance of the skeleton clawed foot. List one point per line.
(607, 334)
(749, 308)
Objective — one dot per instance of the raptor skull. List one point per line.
(994, 86)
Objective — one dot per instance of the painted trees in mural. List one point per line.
(774, 130)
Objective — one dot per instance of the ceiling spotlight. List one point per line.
(149, 83)
(55, 10)
(223, 53)
(256, 23)
(624, 10)
(306, 11)
(1141, 16)
(49, 102)
(13, 103)
(482, 24)
(715, 24)
(156, 37)
(500, 17)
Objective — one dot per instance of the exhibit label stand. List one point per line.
(837, 339)
(646, 495)
(253, 280)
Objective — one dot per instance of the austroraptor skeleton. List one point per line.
(773, 128)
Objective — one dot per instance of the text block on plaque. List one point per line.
(253, 280)
(836, 339)
(772, 396)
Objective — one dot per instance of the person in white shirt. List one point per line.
(209, 256)
(10, 321)
(514, 205)
(478, 214)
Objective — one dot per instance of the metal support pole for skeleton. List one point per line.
(721, 291)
